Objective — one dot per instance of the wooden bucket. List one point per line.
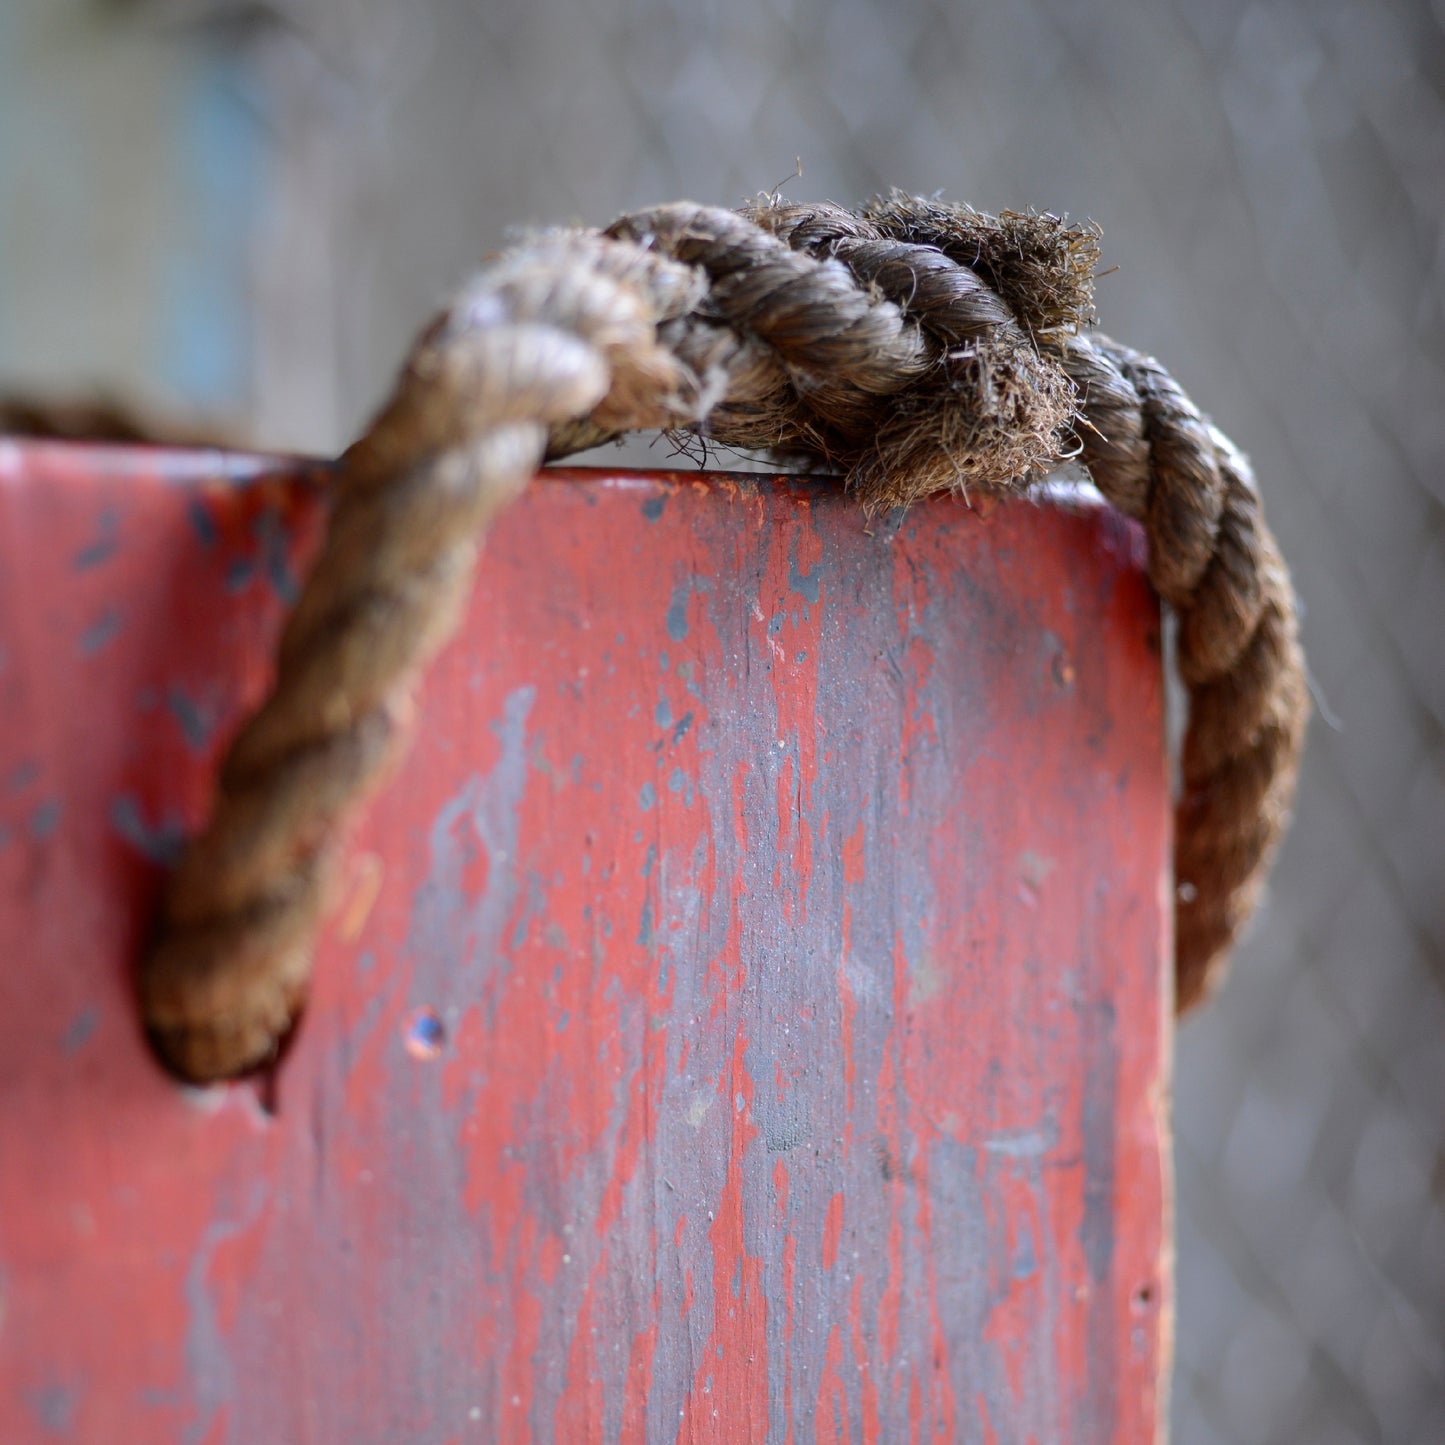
(745, 1014)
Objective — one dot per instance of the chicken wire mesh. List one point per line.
(1270, 180)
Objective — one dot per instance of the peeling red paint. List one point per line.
(796, 1057)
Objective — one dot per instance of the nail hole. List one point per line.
(426, 1035)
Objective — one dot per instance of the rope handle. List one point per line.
(911, 346)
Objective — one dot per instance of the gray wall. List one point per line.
(255, 210)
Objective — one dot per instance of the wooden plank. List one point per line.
(744, 1019)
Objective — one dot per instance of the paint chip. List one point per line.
(160, 843)
(103, 630)
(79, 1030)
(45, 819)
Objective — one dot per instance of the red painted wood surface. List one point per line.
(743, 1020)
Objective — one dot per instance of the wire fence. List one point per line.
(1270, 179)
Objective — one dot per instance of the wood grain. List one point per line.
(744, 1020)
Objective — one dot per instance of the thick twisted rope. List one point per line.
(911, 347)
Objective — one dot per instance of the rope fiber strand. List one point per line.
(911, 347)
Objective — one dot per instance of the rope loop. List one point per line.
(910, 346)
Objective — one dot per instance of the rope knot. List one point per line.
(910, 346)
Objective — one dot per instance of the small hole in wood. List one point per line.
(426, 1034)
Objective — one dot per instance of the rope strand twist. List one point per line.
(910, 346)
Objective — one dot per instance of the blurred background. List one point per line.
(246, 210)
